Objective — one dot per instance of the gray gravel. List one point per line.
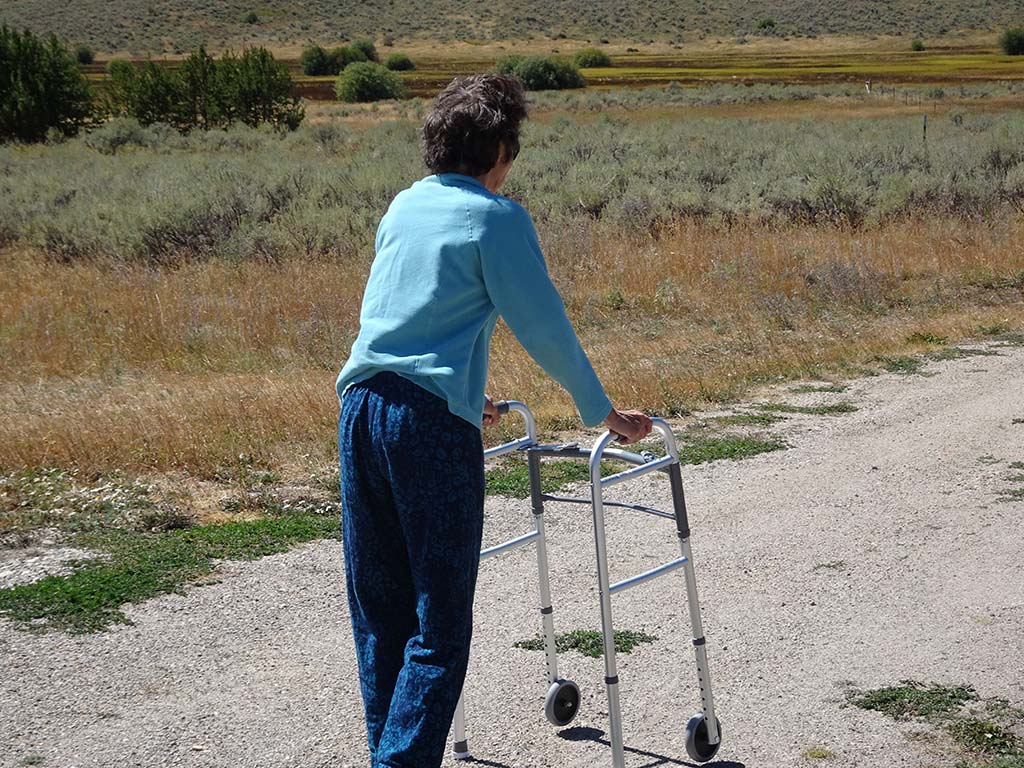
(23, 565)
(925, 583)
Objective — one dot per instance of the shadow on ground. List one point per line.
(581, 733)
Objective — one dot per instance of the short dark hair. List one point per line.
(469, 122)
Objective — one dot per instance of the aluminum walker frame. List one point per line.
(703, 730)
(563, 697)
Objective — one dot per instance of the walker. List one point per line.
(561, 705)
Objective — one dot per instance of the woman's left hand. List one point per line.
(491, 415)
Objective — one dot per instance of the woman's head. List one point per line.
(471, 121)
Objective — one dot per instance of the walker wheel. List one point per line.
(562, 702)
(697, 746)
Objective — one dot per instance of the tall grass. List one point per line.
(134, 367)
(178, 301)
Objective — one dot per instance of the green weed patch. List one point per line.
(988, 743)
(141, 566)
(831, 565)
(959, 353)
(1014, 494)
(985, 737)
(747, 419)
(1016, 490)
(809, 388)
(902, 364)
(817, 753)
(834, 409)
(735, 447)
(589, 642)
(911, 699)
(1010, 340)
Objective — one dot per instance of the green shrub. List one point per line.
(399, 62)
(344, 55)
(538, 73)
(367, 48)
(1012, 42)
(84, 54)
(507, 64)
(41, 88)
(118, 133)
(591, 57)
(766, 25)
(315, 61)
(917, 45)
(367, 81)
(250, 18)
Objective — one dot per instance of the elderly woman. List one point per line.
(451, 256)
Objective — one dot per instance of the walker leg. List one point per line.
(700, 649)
(460, 747)
(546, 611)
(611, 677)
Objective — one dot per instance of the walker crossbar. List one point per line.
(679, 562)
(631, 474)
(622, 504)
(509, 545)
(703, 734)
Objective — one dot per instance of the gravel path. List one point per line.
(872, 551)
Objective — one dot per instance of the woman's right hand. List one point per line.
(630, 426)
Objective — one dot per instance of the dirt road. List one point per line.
(874, 550)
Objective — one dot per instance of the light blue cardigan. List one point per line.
(452, 257)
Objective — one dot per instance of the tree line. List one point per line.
(251, 88)
(43, 93)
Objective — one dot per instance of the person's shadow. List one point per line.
(581, 733)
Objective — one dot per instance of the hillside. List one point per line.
(170, 26)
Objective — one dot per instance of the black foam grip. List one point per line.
(502, 406)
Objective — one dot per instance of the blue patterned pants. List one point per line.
(412, 485)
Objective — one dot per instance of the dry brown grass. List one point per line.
(110, 367)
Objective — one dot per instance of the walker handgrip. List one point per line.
(660, 425)
(502, 406)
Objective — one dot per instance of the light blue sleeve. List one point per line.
(520, 288)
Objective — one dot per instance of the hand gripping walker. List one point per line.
(703, 730)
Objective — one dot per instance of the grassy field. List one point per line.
(732, 64)
(189, 369)
(173, 26)
(174, 309)
(938, 66)
(201, 315)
